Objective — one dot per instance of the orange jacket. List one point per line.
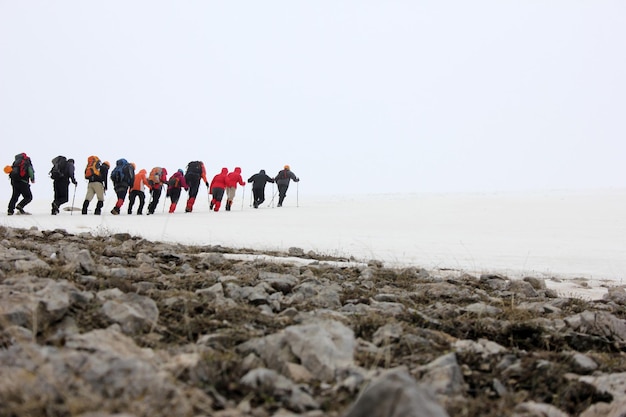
(140, 180)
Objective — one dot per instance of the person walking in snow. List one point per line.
(157, 179)
(282, 181)
(123, 177)
(232, 179)
(258, 187)
(22, 174)
(137, 191)
(174, 186)
(97, 185)
(217, 188)
(195, 173)
(61, 175)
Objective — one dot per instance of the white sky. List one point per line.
(578, 237)
(357, 96)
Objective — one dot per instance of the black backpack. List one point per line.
(59, 167)
(194, 168)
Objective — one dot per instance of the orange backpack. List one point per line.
(155, 176)
(93, 167)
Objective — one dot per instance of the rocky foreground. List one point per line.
(117, 325)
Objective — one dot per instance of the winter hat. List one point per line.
(180, 170)
(133, 165)
(287, 167)
(71, 161)
(107, 163)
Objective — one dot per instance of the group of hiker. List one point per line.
(126, 181)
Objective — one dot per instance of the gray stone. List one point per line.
(396, 394)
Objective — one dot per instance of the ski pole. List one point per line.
(73, 199)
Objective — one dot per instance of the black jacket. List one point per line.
(259, 180)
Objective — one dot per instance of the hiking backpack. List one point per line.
(155, 176)
(123, 173)
(19, 169)
(93, 167)
(174, 182)
(194, 167)
(59, 167)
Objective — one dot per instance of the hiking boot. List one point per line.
(279, 205)
(211, 206)
(21, 210)
(130, 211)
(10, 212)
(255, 205)
(55, 209)
(115, 211)
(98, 210)
(85, 205)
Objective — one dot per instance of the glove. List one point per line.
(207, 184)
(297, 180)
(74, 182)
(186, 188)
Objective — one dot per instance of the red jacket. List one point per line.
(219, 181)
(234, 178)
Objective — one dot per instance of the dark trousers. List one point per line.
(193, 182)
(218, 194)
(156, 195)
(174, 194)
(134, 194)
(20, 188)
(259, 195)
(282, 192)
(61, 193)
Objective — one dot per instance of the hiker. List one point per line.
(174, 186)
(62, 173)
(217, 188)
(195, 173)
(258, 187)
(96, 174)
(232, 180)
(157, 178)
(282, 181)
(123, 177)
(21, 174)
(137, 191)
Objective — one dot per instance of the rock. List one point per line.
(443, 375)
(133, 312)
(396, 394)
(533, 409)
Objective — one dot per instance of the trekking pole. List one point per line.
(165, 199)
(273, 194)
(73, 199)
(251, 195)
(243, 196)
(297, 194)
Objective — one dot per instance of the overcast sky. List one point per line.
(357, 96)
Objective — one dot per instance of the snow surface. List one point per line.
(576, 240)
